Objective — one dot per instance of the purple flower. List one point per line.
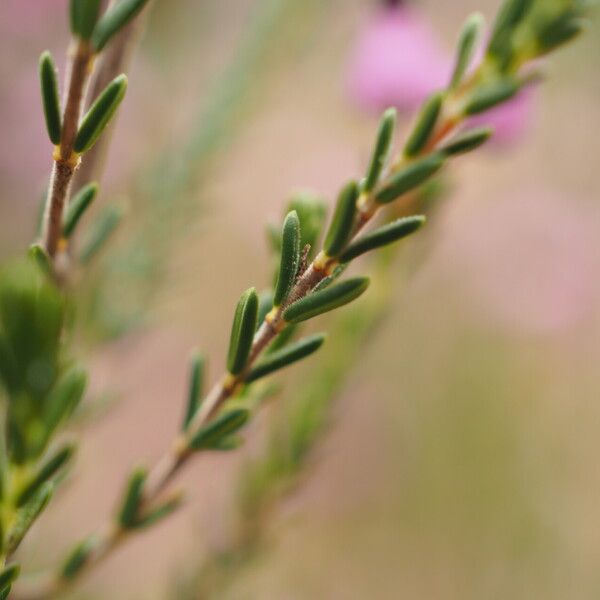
(397, 61)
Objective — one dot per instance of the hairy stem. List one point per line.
(65, 160)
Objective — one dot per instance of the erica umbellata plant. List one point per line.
(41, 380)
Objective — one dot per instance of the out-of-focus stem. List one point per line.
(113, 61)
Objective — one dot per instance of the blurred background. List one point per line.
(460, 458)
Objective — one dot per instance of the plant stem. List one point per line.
(227, 385)
(66, 160)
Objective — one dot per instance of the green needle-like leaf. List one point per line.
(467, 141)
(559, 32)
(286, 356)
(102, 229)
(424, 125)
(385, 136)
(228, 443)
(78, 557)
(131, 500)
(487, 97)
(290, 257)
(410, 177)
(383, 236)
(65, 396)
(159, 513)
(467, 44)
(194, 388)
(223, 426)
(114, 19)
(50, 97)
(77, 207)
(38, 255)
(242, 331)
(325, 300)
(100, 114)
(84, 14)
(342, 222)
(511, 13)
(27, 515)
(265, 305)
(48, 469)
(8, 575)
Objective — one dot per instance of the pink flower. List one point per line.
(397, 61)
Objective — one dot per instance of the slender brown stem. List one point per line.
(65, 159)
(179, 453)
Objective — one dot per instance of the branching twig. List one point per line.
(495, 81)
(110, 535)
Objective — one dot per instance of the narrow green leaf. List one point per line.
(159, 513)
(511, 13)
(78, 557)
(50, 97)
(383, 236)
(383, 144)
(325, 300)
(101, 231)
(48, 469)
(424, 125)
(74, 8)
(290, 257)
(38, 255)
(65, 396)
(467, 44)
(223, 426)
(8, 575)
(77, 207)
(131, 499)
(5, 592)
(27, 515)
(312, 211)
(226, 444)
(265, 304)
(410, 177)
(487, 97)
(114, 19)
(286, 356)
(242, 331)
(342, 222)
(559, 32)
(467, 141)
(194, 388)
(100, 114)
(84, 14)
(338, 271)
